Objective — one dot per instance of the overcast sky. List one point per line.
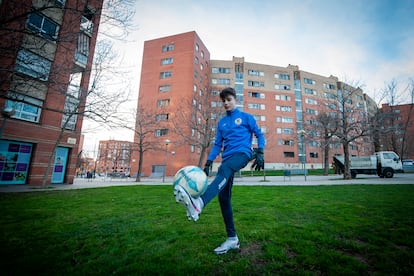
(369, 42)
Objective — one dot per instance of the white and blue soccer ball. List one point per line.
(192, 179)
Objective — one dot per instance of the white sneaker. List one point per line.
(230, 243)
(193, 205)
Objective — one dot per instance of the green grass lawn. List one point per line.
(328, 230)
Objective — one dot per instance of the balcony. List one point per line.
(86, 26)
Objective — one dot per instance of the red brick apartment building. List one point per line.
(177, 70)
(114, 157)
(46, 54)
(398, 129)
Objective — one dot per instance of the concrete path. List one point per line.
(298, 180)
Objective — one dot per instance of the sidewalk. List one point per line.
(296, 180)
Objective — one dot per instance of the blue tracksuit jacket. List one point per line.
(235, 133)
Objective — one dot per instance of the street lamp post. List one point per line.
(172, 163)
(7, 113)
(167, 142)
(303, 150)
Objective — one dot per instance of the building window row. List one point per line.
(220, 70)
(255, 73)
(284, 108)
(282, 76)
(255, 83)
(256, 95)
(282, 86)
(256, 106)
(285, 120)
(309, 81)
(310, 91)
(220, 81)
(282, 142)
(282, 97)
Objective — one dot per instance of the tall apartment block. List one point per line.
(46, 57)
(177, 70)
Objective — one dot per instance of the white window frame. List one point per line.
(23, 108)
(39, 26)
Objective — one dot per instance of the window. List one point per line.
(282, 76)
(220, 70)
(309, 81)
(313, 154)
(284, 130)
(163, 103)
(220, 81)
(282, 142)
(311, 101)
(256, 95)
(311, 111)
(288, 154)
(161, 132)
(33, 65)
(166, 61)
(70, 110)
(255, 73)
(164, 88)
(255, 83)
(196, 47)
(195, 60)
(41, 25)
(74, 88)
(82, 50)
(329, 96)
(164, 75)
(26, 108)
(329, 86)
(285, 120)
(162, 117)
(202, 54)
(310, 91)
(168, 48)
(282, 87)
(256, 106)
(282, 97)
(284, 108)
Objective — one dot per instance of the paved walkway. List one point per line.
(298, 180)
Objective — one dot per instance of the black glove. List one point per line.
(258, 163)
(207, 167)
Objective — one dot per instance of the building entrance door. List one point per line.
(59, 167)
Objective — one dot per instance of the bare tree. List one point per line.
(322, 130)
(200, 120)
(143, 123)
(350, 121)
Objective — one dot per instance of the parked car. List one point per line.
(408, 162)
(408, 165)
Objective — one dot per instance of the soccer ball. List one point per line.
(192, 179)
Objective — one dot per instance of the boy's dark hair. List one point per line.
(226, 92)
